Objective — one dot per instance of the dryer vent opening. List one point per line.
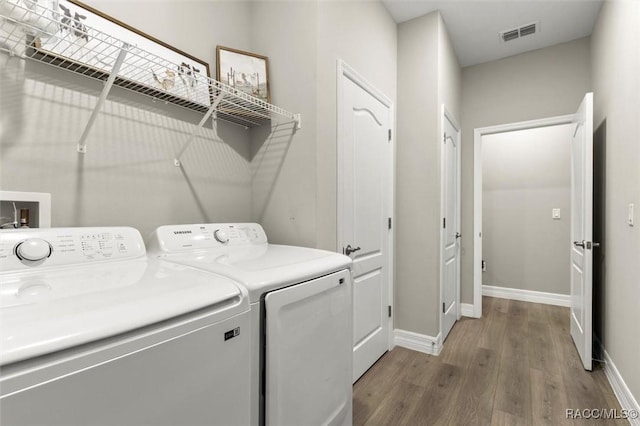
(515, 33)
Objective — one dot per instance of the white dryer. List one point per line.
(301, 310)
(94, 333)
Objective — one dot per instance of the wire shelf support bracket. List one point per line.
(196, 131)
(82, 144)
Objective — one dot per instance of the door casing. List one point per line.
(476, 311)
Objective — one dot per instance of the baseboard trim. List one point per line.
(468, 310)
(527, 295)
(418, 342)
(620, 389)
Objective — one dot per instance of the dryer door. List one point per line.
(308, 353)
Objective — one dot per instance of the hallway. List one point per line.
(515, 366)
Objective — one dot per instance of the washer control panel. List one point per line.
(175, 238)
(25, 248)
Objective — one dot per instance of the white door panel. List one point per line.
(368, 294)
(367, 195)
(366, 263)
(364, 204)
(450, 251)
(581, 230)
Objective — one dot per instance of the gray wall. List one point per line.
(526, 174)
(616, 84)
(284, 186)
(428, 75)
(363, 34)
(304, 40)
(416, 258)
(449, 76)
(282, 178)
(127, 176)
(543, 83)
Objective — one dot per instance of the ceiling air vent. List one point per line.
(522, 31)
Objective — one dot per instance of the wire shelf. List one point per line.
(44, 35)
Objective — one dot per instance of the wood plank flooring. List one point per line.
(515, 366)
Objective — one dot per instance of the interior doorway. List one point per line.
(526, 225)
(581, 244)
(479, 135)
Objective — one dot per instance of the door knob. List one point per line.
(458, 235)
(350, 250)
(586, 244)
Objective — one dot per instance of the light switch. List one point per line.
(555, 213)
(631, 218)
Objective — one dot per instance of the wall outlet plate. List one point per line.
(38, 203)
(631, 219)
(555, 213)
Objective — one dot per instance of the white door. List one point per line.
(581, 229)
(365, 158)
(450, 237)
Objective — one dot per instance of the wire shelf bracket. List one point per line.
(82, 144)
(196, 131)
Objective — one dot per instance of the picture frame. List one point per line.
(244, 71)
(84, 42)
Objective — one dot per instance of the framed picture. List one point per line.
(243, 71)
(92, 40)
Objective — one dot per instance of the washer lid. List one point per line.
(264, 267)
(43, 311)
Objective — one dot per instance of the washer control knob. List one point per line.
(221, 236)
(33, 249)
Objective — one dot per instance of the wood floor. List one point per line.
(515, 366)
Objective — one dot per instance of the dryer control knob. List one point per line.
(33, 249)
(221, 236)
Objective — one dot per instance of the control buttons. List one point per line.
(221, 236)
(33, 249)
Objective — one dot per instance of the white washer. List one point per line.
(93, 332)
(302, 315)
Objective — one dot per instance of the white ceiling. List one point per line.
(474, 25)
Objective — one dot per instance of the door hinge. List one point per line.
(389, 135)
(443, 307)
(444, 222)
(389, 311)
(444, 139)
(389, 223)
